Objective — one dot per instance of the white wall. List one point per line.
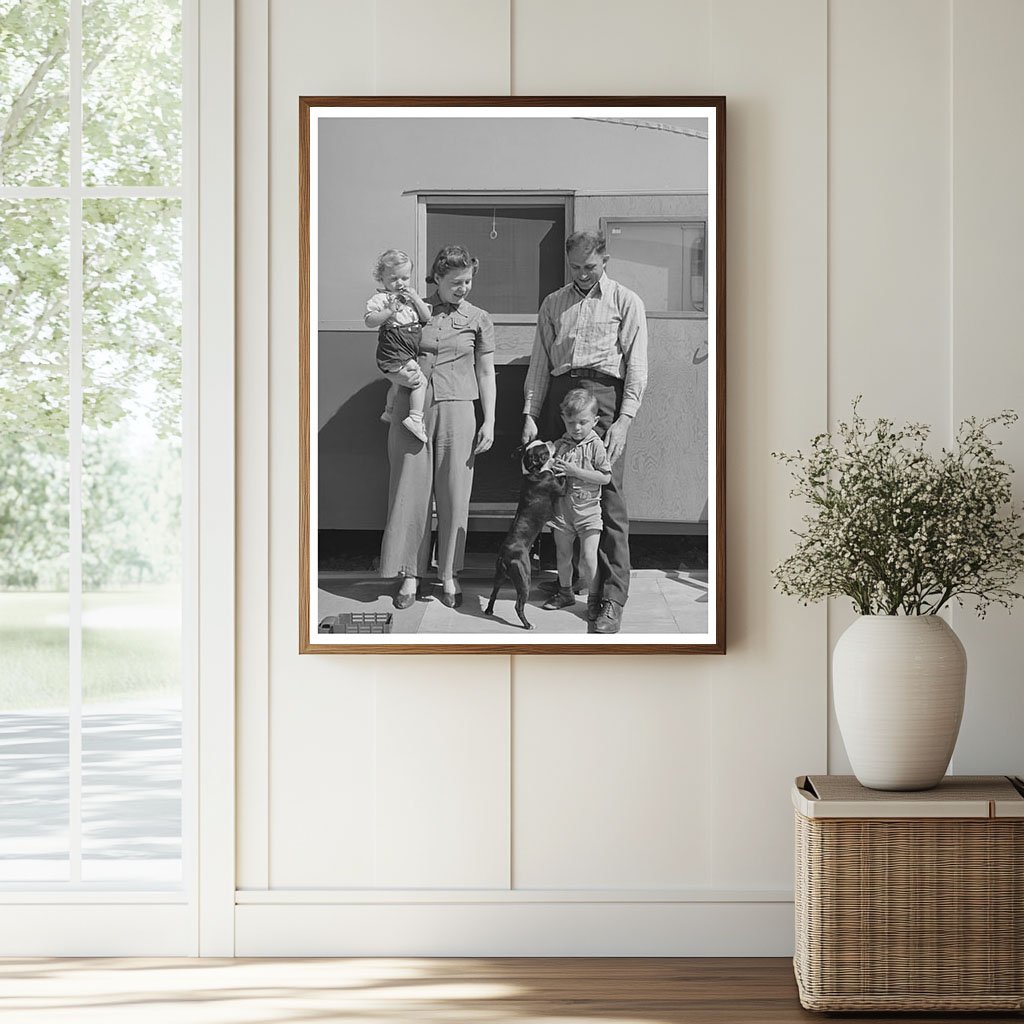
(533, 805)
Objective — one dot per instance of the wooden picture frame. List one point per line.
(511, 178)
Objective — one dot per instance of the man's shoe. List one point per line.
(593, 608)
(610, 618)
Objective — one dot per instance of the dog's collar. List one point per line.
(547, 467)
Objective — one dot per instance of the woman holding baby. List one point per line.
(457, 358)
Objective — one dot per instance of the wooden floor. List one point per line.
(413, 991)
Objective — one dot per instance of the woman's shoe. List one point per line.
(402, 601)
(452, 600)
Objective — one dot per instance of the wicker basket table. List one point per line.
(910, 901)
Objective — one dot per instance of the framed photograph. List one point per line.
(512, 373)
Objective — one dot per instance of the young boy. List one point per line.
(579, 454)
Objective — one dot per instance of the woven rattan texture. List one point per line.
(915, 914)
(959, 787)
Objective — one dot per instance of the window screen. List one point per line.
(662, 261)
(523, 261)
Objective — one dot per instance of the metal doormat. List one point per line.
(356, 622)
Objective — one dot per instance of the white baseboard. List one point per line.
(515, 929)
(97, 929)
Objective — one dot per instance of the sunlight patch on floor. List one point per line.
(220, 991)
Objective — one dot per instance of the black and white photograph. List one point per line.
(512, 375)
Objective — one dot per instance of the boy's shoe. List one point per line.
(610, 618)
(415, 427)
(579, 586)
(565, 598)
(593, 608)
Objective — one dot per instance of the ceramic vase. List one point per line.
(898, 686)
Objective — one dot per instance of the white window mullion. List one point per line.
(34, 192)
(189, 195)
(75, 300)
(174, 905)
(95, 191)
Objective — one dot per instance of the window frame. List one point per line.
(75, 193)
(667, 314)
(201, 920)
(474, 197)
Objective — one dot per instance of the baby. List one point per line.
(398, 313)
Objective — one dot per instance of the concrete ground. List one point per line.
(660, 601)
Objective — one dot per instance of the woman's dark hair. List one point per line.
(451, 257)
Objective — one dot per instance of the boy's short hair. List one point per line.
(578, 401)
(390, 258)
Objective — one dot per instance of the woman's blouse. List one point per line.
(451, 340)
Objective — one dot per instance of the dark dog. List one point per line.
(540, 489)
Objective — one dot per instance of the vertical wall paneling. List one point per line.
(888, 223)
(577, 47)
(442, 771)
(987, 366)
(252, 186)
(324, 762)
(612, 775)
(611, 757)
(889, 209)
(446, 48)
(847, 272)
(769, 692)
(217, 562)
(320, 708)
(442, 774)
(325, 733)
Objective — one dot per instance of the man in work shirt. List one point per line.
(593, 334)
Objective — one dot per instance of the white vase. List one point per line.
(898, 685)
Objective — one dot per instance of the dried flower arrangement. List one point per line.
(900, 530)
